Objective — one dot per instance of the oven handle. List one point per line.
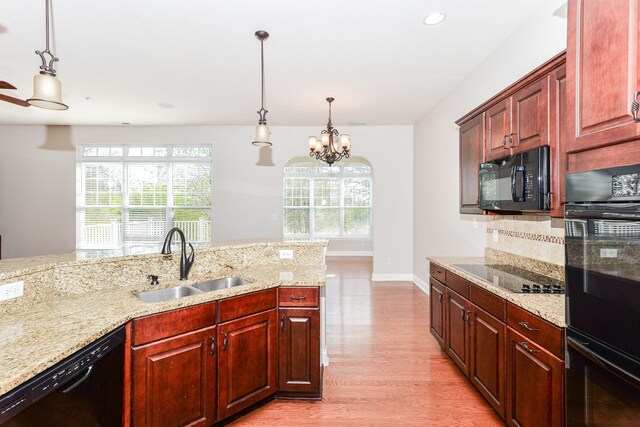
(80, 381)
(604, 214)
(603, 363)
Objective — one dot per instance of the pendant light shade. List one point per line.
(47, 90)
(47, 93)
(262, 136)
(262, 130)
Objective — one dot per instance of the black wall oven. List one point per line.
(602, 248)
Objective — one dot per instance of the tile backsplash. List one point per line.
(533, 236)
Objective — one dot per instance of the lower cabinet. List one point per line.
(436, 310)
(534, 384)
(457, 329)
(247, 361)
(299, 352)
(487, 370)
(174, 381)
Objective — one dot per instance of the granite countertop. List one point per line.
(37, 336)
(548, 306)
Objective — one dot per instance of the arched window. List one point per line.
(322, 201)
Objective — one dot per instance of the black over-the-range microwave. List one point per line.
(516, 183)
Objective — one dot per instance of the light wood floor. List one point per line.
(385, 367)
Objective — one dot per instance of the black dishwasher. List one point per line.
(84, 390)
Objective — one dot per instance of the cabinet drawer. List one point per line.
(299, 297)
(437, 272)
(244, 305)
(163, 325)
(536, 329)
(458, 284)
(489, 302)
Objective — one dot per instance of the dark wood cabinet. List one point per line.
(247, 361)
(498, 130)
(603, 77)
(534, 384)
(174, 380)
(299, 353)
(471, 155)
(436, 312)
(530, 117)
(457, 329)
(300, 373)
(487, 359)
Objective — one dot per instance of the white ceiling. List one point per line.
(375, 57)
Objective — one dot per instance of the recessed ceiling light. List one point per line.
(165, 105)
(434, 18)
(89, 99)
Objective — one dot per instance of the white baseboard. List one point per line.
(391, 277)
(421, 284)
(349, 253)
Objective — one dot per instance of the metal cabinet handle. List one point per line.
(527, 327)
(80, 381)
(526, 347)
(463, 315)
(282, 323)
(469, 317)
(634, 107)
(224, 342)
(298, 298)
(511, 143)
(440, 296)
(438, 272)
(504, 142)
(213, 345)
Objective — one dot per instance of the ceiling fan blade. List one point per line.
(6, 85)
(13, 100)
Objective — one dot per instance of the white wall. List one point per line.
(37, 185)
(439, 230)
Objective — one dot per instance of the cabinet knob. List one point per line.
(526, 347)
(634, 107)
(213, 345)
(463, 315)
(511, 135)
(504, 142)
(440, 295)
(468, 319)
(224, 342)
(282, 323)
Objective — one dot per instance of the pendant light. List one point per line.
(47, 90)
(331, 147)
(262, 130)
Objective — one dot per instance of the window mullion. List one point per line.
(124, 206)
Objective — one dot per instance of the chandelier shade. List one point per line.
(332, 146)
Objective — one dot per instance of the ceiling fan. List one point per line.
(11, 99)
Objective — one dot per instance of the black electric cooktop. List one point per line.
(514, 279)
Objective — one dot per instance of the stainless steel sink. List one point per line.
(159, 295)
(223, 283)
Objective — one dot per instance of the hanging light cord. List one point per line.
(262, 112)
(47, 68)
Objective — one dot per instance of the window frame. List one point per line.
(124, 159)
(316, 171)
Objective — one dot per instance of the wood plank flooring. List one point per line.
(385, 367)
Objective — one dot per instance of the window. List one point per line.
(322, 201)
(131, 196)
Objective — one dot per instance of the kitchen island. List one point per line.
(69, 301)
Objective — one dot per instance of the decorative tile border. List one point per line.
(528, 236)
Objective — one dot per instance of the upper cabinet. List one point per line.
(602, 83)
(524, 116)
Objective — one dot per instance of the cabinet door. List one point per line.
(247, 361)
(530, 116)
(534, 384)
(436, 310)
(471, 155)
(487, 371)
(299, 352)
(602, 71)
(174, 381)
(457, 330)
(498, 127)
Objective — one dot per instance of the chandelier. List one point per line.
(326, 148)
(47, 90)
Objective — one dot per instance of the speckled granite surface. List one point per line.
(548, 306)
(70, 303)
